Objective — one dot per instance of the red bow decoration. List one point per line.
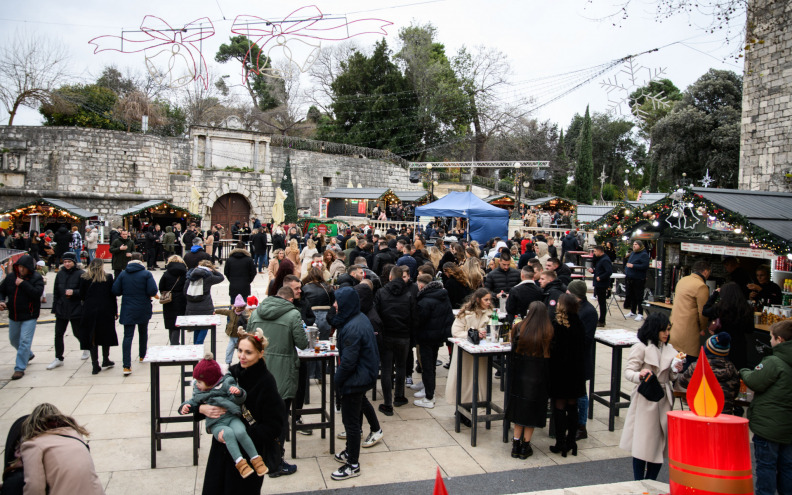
(181, 43)
(300, 25)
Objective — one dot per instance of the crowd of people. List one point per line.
(392, 299)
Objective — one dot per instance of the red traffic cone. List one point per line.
(439, 488)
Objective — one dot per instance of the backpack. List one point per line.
(195, 291)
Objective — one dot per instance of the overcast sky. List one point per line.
(541, 39)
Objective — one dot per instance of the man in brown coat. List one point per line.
(688, 324)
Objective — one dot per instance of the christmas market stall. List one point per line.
(415, 198)
(153, 212)
(504, 201)
(736, 231)
(551, 204)
(355, 201)
(44, 214)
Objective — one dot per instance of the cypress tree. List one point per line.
(584, 169)
(287, 186)
(561, 167)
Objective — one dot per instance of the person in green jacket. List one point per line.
(168, 241)
(121, 249)
(770, 413)
(280, 321)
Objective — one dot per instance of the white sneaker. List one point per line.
(341, 436)
(630, 315)
(420, 394)
(86, 355)
(639, 318)
(427, 403)
(55, 364)
(372, 439)
(417, 386)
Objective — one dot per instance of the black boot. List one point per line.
(572, 428)
(582, 434)
(515, 453)
(525, 450)
(559, 418)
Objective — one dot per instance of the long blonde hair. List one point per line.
(472, 268)
(175, 259)
(435, 255)
(95, 271)
(46, 417)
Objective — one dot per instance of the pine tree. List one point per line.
(287, 186)
(561, 167)
(584, 170)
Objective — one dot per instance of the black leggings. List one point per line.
(635, 293)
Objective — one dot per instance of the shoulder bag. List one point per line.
(166, 296)
(651, 389)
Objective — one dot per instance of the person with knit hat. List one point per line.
(214, 388)
(237, 315)
(717, 351)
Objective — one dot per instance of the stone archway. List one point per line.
(228, 209)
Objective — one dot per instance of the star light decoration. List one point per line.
(620, 89)
(707, 180)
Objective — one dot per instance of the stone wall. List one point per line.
(766, 136)
(108, 171)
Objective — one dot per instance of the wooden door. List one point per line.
(229, 209)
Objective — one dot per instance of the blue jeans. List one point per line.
(129, 332)
(91, 255)
(199, 336)
(232, 343)
(20, 333)
(261, 260)
(582, 406)
(773, 466)
(78, 253)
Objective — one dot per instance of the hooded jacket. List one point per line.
(770, 413)
(240, 270)
(281, 324)
(62, 240)
(359, 356)
(63, 306)
(396, 306)
(23, 300)
(137, 286)
(195, 256)
(551, 293)
(168, 239)
(435, 314)
(569, 243)
(204, 306)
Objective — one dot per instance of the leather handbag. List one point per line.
(473, 336)
(651, 389)
(167, 295)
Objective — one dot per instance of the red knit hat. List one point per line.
(208, 371)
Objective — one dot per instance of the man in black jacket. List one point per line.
(351, 278)
(503, 278)
(588, 316)
(23, 288)
(434, 327)
(382, 258)
(153, 244)
(563, 273)
(523, 294)
(552, 290)
(569, 243)
(196, 254)
(602, 271)
(66, 305)
(259, 242)
(396, 306)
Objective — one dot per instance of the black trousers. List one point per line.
(602, 294)
(351, 413)
(60, 331)
(428, 364)
(95, 354)
(217, 251)
(153, 255)
(393, 353)
(635, 292)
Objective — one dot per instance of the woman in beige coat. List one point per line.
(475, 313)
(292, 252)
(541, 252)
(55, 456)
(274, 263)
(645, 433)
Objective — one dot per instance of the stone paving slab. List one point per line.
(116, 410)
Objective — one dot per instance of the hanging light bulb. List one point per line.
(624, 238)
(737, 230)
(655, 223)
(639, 231)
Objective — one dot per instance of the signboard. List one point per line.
(719, 225)
(323, 202)
(742, 252)
(330, 229)
(362, 207)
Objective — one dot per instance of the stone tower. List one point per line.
(766, 134)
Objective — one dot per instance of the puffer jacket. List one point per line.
(240, 270)
(23, 300)
(318, 295)
(569, 243)
(499, 280)
(640, 262)
(281, 324)
(204, 306)
(137, 286)
(770, 413)
(220, 396)
(396, 306)
(435, 315)
(357, 346)
(63, 306)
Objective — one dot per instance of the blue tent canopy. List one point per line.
(486, 221)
